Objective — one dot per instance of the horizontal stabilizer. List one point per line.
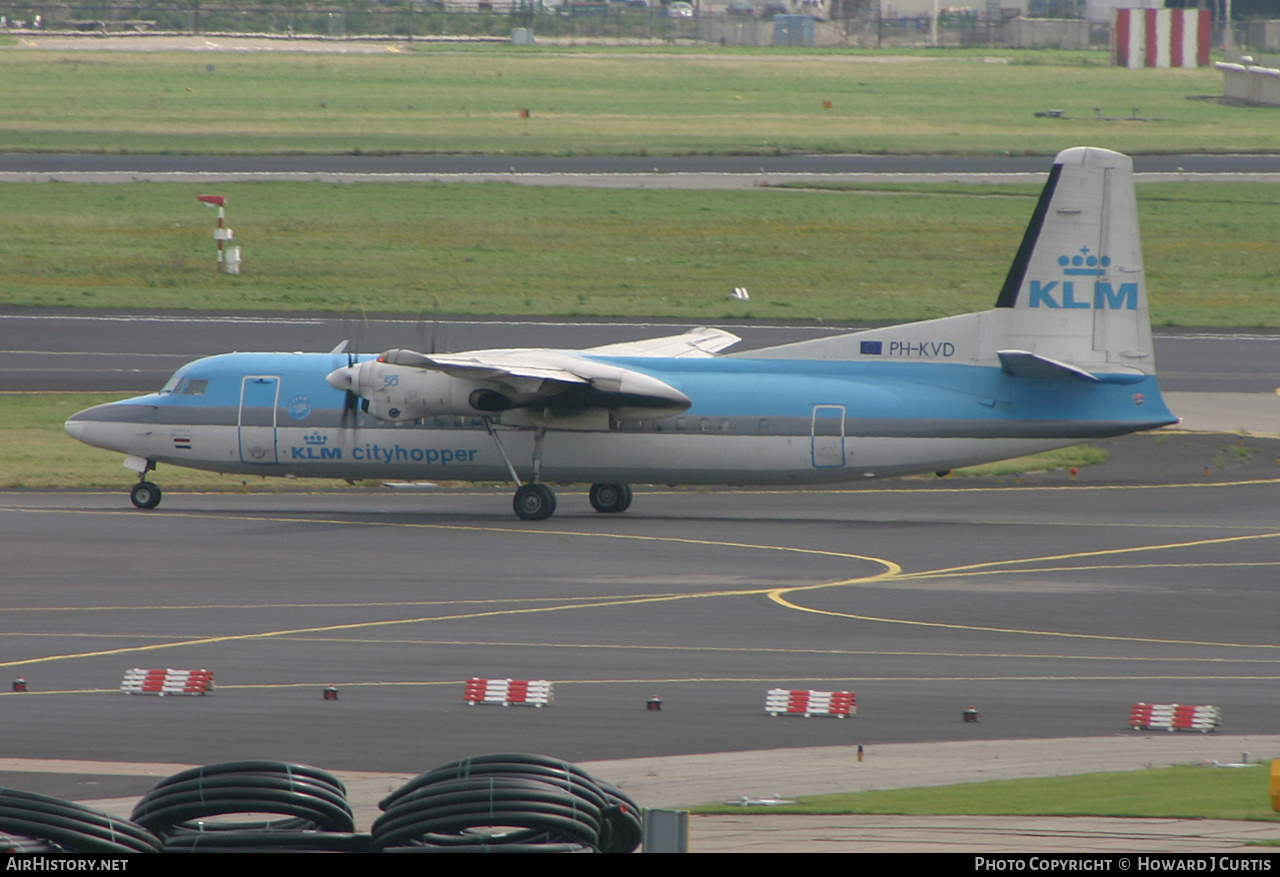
(1024, 364)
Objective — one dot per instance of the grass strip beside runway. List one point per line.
(917, 254)
(457, 99)
(1186, 792)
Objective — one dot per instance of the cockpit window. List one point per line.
(180, 386)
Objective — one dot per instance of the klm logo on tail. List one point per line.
(1104, 296)
(1064, 294)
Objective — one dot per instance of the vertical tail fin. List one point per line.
(1074, 301)
(1077, 289)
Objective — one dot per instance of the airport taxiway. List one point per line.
(1051, 604)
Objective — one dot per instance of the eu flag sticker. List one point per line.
(871, 348)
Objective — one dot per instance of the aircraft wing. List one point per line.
(406, 384)
(700, 342)
(516, 367)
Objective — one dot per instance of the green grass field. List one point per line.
(1177, 792)
(855, 256)
(705, 100)
(917, 253)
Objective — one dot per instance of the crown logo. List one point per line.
(316, 438)
(1084, 264)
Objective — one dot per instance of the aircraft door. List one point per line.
(827, 435)
(259, 397)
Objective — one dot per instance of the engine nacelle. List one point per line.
(403, 385)
(390, 411)
(400, 393)
(489, 400)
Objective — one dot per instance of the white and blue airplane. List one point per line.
(1064, 356)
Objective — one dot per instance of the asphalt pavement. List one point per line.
(1170, 598)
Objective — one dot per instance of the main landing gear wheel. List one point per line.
(145, 495)
(610, 498)
(534, 502)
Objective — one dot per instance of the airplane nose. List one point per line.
(342, 379)
(91, 425)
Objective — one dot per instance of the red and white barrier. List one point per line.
(535, 692)
(782, 701)
(1174, 717)
(1161, 37)
(169, 681)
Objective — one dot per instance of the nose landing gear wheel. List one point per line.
(534, 502)
(145, 495)
(610, 498)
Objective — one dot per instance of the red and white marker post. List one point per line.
(228, 257)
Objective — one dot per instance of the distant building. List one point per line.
(1098, 11)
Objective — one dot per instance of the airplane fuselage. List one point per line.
(752, 421)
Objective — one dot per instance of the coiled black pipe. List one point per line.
(14, 843)
(488, 807)
(303, 772)
(290, 797)
(505, 802)
(624, 820)
(474, 847)
(499, 803)
(267, 841)
(74, 827)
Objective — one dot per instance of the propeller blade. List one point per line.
(349, 414)
(435, 324)
(351, 401)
